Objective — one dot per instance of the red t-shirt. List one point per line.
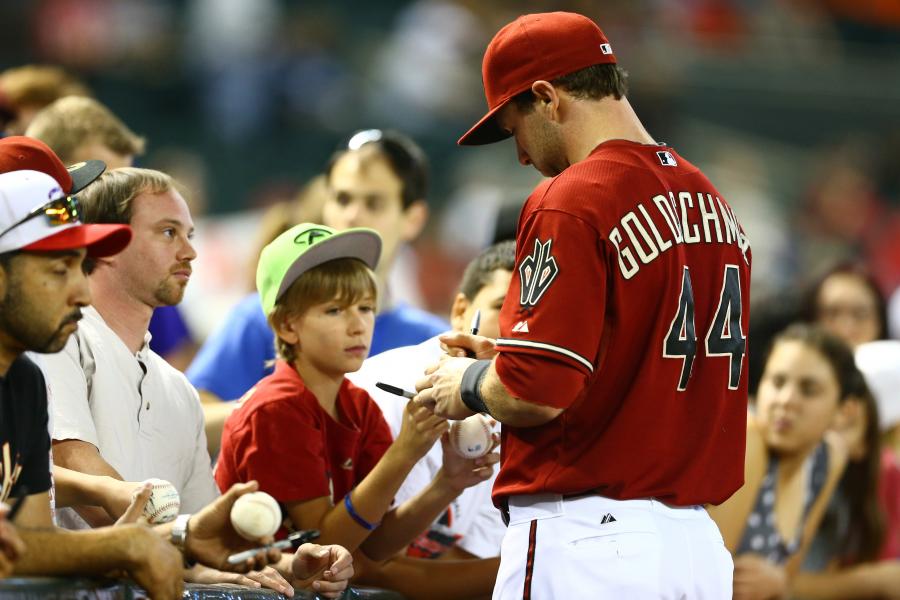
(629, 309)
(281, 437)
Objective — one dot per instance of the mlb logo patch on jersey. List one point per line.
(666, 158)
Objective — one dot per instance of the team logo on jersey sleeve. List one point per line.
(537, 271)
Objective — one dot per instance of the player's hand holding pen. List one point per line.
(472, 345)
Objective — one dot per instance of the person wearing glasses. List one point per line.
(42, 249)
(24, 313)
(119, 410)
(378, 179)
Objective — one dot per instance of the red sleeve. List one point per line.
(376, 439)
(285, 452)
(554, 309)
(540, 379)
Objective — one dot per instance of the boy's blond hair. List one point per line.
(73, 121)
(344, 280)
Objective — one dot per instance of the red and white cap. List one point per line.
(541, 46)
(22, 192)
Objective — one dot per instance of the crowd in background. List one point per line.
(790, 106)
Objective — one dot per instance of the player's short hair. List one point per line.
(591, 83)
(838, 355)
(478, 273)
(70, 122)
(344, 280)
(406, 159)
(38, 85)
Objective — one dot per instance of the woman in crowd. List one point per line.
(793, 461)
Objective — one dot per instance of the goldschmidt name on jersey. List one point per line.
(685, 216)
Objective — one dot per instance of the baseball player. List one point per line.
(620, 374)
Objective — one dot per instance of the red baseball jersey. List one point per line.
(283, 438)
(629, 309)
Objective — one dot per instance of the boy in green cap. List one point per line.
(313, 440)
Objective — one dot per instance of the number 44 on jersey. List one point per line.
(724, 337)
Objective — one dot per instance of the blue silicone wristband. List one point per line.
(355, 516)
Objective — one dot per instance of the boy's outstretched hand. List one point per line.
(330, 567)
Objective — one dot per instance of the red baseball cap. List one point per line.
(20, 153)
(535, 47)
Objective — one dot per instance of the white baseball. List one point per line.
(471, 437)
(256, 515)
(164, 501)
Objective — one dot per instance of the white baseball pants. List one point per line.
(598, 548)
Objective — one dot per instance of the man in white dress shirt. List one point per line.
(118, 408)
(471, 527)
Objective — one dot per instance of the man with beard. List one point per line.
(118, 408)
(42, 293)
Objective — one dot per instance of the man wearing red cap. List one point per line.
(620, 375)
(43, 289)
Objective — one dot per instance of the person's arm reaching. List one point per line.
(371, 499)
(400, 526)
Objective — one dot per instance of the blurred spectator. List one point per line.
(844, 216)
(230, 46)
(422, 71)
(880, 363)
(26, 90)
(862, 524)
(847, 302)
(792, 464)
(80, 128)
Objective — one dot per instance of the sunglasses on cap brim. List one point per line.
(61, 211)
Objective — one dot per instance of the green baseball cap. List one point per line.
(305, 246)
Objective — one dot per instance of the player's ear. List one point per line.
(546, 95)
(415, 217)
(458, 312)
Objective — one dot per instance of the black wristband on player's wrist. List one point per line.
(470, 387)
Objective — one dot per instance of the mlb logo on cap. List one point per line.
(667, 159)
(606, 49)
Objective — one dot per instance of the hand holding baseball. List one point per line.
(163, 504)
(212, 538)
(460, 472)
(256, 516)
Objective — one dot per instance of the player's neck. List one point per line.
(609, 119)
(324, 386)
